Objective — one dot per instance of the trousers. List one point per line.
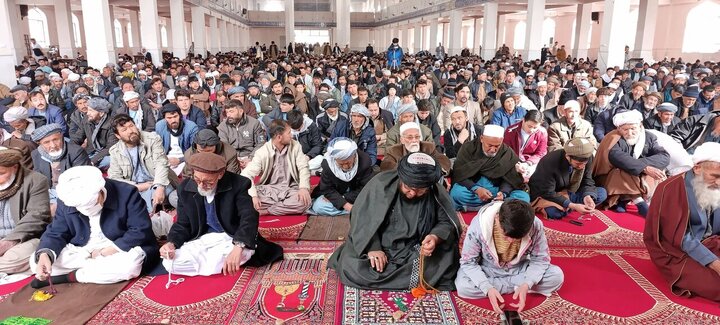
(464, 199)
(204, 256)
(551, 282)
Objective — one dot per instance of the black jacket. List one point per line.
(311, 141)
(653, 123)
(653, 154)
(235, 212)
(149, 117)
(627, 102)
(452, 149)
(550, 116)
(432, 124)
(75, 156)
(106, 138)
(552, 176)
(693, 129)
(339, 192)
(679, 103)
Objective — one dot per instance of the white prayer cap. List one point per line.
(650, 71)
(627, 117)
(494, 131)
(130, 95)
(74, 77)
(681, 75)
(563, 71)
(665, 70)
(409, 125)
(531, 73)
(86, 76)
(142, 72)
(708, 151)
(591, 90)
(170, 94)
(25, 80)
(80, 185)
(572, 104)
(613, 86)
(54, 74)
(542, 83)
(66, 70)
(341, 148)
(15, 113)
(457, 109)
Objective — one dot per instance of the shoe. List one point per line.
(620, 207)
(643, 209)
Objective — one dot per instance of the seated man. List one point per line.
(177, 136)
(571, 125)
(697, 129)
(25, 200)
(22, 126)
(286, 104)
(409, 143)
(630, 163)
(79, 246)
(406, 113)
(528, 139)
(54, 155)
(382, 121)
(44, 113)
(139, 160)
(139, 110)
(509, 113)
(207, 141)
(425, 117)
(358, 129)
(306, 133)
(563, 181)
(664, 120)
(345, 171)
(330, 118)
(459, 131)
(682, 230)
(506, 251)
(241, 131)
(485, 170)
(284, 184)
(399, 216)
(96, 132)
(217, 228)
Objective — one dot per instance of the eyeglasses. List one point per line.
(205, 182)
(417, 137)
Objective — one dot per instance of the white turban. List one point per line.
(542, 83)
(341, 148)
(708, 151)
(457, 109)
(407, 108)
(627, 117)
(25, 80)
(80, 186)
(15, 113)
(74, 77)
(494, 131)
(130, 95)
(409, 125)
(572, 104)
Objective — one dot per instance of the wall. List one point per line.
(359, 39)
(265, 35)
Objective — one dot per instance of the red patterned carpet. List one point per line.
(609, 279)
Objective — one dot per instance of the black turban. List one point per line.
(419, 170)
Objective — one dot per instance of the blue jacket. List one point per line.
(187, 137)
(501, 118)
(366, 143)
(604, 123)
(394, 56)
(53, 114)
(345, 105)
(124, 220)
(196, 116)
(692, 241)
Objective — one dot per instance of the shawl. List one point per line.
(471, 160)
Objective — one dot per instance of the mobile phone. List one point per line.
(575, 222)
(512, 317)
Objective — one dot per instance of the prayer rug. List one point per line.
(326, 228)
(282, 227)
(9, 288)
(597, 230)
(396, 307)
(83, 299)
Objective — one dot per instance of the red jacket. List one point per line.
(536, 147)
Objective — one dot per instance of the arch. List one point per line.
(118, 33)
(163, 36)
(548, 30)
(76, 30)
(38, 25)
(519, 36)
(706, 13)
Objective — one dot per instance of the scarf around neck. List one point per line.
(179, 130)
(47, 157)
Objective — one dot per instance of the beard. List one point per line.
(463, 99)
(490, 155)
(632, 140)
(134, 139)
(205, 193)
(6, 185)
(707, 198)
(412, 147)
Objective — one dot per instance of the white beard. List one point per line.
(4, 186)
(707, 198)
(632, 141)
(206, 193)
(412, 147)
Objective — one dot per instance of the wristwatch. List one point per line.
(238, 243)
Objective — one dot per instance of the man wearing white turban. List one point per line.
(80, 246)
(683, 227)
(406, 113)
(630, 163)
(345, 171)
(358, 129)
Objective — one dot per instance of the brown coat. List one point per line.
(394, 153)
(226, 151)
(30, 208)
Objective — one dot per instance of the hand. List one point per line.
(167, 251)
(304, 196)
(243, 162)
(483, 194)
(17, 134)
(589, 202)
(232, 261)
(43, 268)
(428, 244)
(580, 208)
(521, 167)
(715, 266)
(499, 197)
(158, 196)
(5, 245)
(142, 187)
(174, 162)
(654, 172)
(378, 260)
(256, 203)
(496, 300)
(347, 207)
(464, 134)
(107, 251)
(520, 295)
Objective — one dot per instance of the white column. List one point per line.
(81, 26)
(63, 17)
(583, 20)
(433, 35)
(501, 31)
(477, 36)
(417, 40)
(222, 27)
(213, 34)
(188, 34)
(11, 47)
(168, 34)
(111, 10)
(135, 23)
(51, 22)
(124, 33)
(645, 36)
(99, 23)
(150, 30)
(533, 31)
(490, 30)
(446, 36)
(612, 45)
(198, 28)
(455, 33)
(342, 22)
(177, 28)
(289, 22)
